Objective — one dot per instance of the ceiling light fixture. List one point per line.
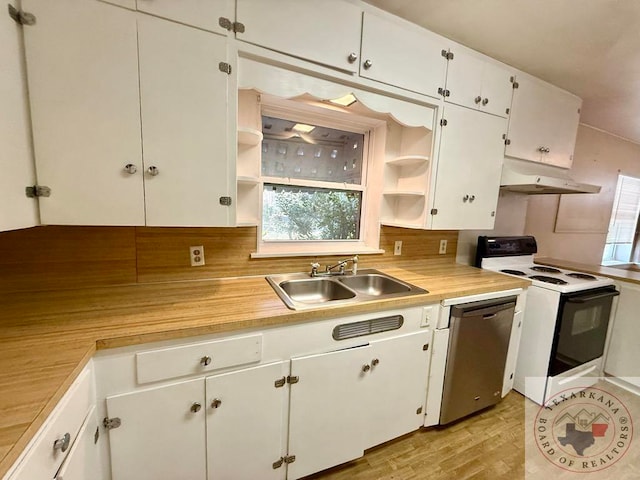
(345, 101)
(303, 127)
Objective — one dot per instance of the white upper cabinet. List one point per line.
(85, 110)
(212, 15)
(478, 82)
(326, 32)
(401, 54)
(467, 181)
(16, 161)
(183, 97)
(543, 123)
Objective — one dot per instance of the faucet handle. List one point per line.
(314, 268)
(354, 267)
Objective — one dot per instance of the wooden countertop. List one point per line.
(630, 275)
(48, 337)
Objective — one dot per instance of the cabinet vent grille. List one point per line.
(367, 327)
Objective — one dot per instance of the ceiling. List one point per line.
(588, 47)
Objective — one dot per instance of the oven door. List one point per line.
(581, 328)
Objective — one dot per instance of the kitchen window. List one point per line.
(315, 166)
(624, 221)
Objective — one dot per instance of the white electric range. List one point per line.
(565, 321)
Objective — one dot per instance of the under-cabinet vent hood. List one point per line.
(535, 178)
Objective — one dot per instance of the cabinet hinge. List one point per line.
(293, 379)
(443, 122)
(226, 201)
(278, 463)
(224, 67)
(419, 411)
(507, 141)
(578, 111)
(225, 23)
(444, 92)
(35, 191)
(238, 27)
(96, 435)
(447, 54)
(513, 81)
(280, 382)
(425, 347)
(507, 111)
(111, 423)
(23, 18)
(434, 211)
(289, 459)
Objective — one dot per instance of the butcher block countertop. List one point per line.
(48, 337)
(625, 273)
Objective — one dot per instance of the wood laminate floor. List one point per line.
(488, 445)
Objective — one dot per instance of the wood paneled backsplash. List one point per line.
(52, 257)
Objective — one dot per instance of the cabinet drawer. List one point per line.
(42, 459)
(171, 362)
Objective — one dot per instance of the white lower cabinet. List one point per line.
(274, 419)
(327, 413)
(246, 415)
(83, 461)
(161, 435)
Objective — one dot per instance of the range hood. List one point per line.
(535, 178)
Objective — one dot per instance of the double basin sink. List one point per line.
(299, 290)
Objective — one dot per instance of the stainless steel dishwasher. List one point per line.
(478, 345)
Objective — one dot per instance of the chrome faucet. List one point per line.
(340, 265)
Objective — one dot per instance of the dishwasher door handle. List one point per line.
(489, 316)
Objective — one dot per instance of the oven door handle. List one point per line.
(593, 297)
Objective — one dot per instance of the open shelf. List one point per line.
(249, 136)
(406, 160)
(248, 180)
(404, 193)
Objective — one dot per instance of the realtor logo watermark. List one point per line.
(583, 431)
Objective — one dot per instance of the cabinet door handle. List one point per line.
(352, 57)
(366, 367)
(216, 402)
(544, 150)
(485, 101)
(205, 361)
(153, 170)
(130, 168)
(375, 362)
(472, 198)
(478, 99)
(195, 407)
(465, 198)
(367, 64)
(62, 443)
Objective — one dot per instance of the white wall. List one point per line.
(574, 227)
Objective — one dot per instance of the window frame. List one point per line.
(330, 116)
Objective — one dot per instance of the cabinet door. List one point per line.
(397, 386)
(469, 169)
(83, 461)
(162, 434)
(245, 419)
(16, 162)
(401, 55)
(184, 121)
(476, 83)
(327, 415)
(497, 89)
(543, 117)
(203, 14)
(326, 33)
(82, 67)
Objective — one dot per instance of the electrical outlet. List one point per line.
(443, 247)
(197, 256)
(397, 247)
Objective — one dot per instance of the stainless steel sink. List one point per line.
(315, 290)
(374, 284)
(300, 291)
